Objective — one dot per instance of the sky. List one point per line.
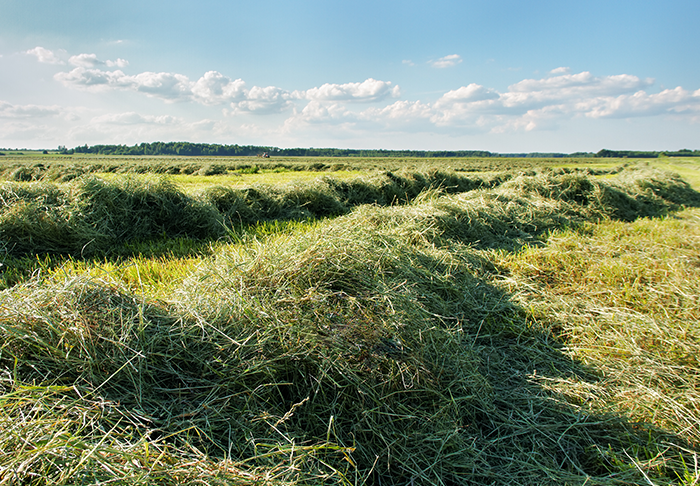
(499, 75)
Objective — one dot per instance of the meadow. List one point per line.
(349, 321)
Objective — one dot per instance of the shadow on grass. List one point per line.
(419, 371)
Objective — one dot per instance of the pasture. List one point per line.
(349, 321)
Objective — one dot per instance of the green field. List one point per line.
(349, 321)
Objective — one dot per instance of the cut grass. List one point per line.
(628, 299)
(95, 217)
(407, 344)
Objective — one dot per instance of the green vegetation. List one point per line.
(532, 326)
(647, 155)
(92, 216)
(204, 149)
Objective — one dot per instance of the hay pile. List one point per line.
(90, 216)
(375, 348)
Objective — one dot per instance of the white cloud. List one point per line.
(367, 91)
(119, 62)
(560, 70)
(264, 101)
(90, 61)
(400, 110)
(166, 86)
(447, 61)
(133, 118)
(668, 101)
(410, 116)
(317, 112)
(537, 104)
(528, 105)
(8, 110)
(211, 89)
(214, 88)
(568, 84)
(23, 131)
(81, 77)
(44, 55)
(471, 93)
(408, 62)
(84, 60)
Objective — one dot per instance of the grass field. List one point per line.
(418, 322)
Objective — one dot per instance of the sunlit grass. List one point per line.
(626, 300)
(154, 278)
(688, 168)
(517, 332)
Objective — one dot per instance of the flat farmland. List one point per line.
(349, 321)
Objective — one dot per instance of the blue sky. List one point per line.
(499, 75)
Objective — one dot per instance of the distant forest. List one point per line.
(206, 149)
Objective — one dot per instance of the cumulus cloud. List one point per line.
(468, 94)
(84, 60)
(214, 88)
(537, 104)
(367, 91)
(447, 61)
(264, 101)
(668, 101)
(534, 103)
(119, 62)
(91, 61)
(560, 70)
(44, 55)
(585, 82)
(403, 115)
(133, 118)
(82, 77)
(317, 112)
(528, 105)
(8, 110)
(167, 86)
(211, 89)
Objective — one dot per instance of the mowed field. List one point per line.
(349, 321)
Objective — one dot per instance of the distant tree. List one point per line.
(605, 153)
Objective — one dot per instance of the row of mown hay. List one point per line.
(61, 168)
(369, 349)
(92, 216)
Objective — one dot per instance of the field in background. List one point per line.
(345, 321)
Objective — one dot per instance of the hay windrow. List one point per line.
(384, 346)
(91, 216)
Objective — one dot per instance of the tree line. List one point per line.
(206, 149)
(632, 154)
